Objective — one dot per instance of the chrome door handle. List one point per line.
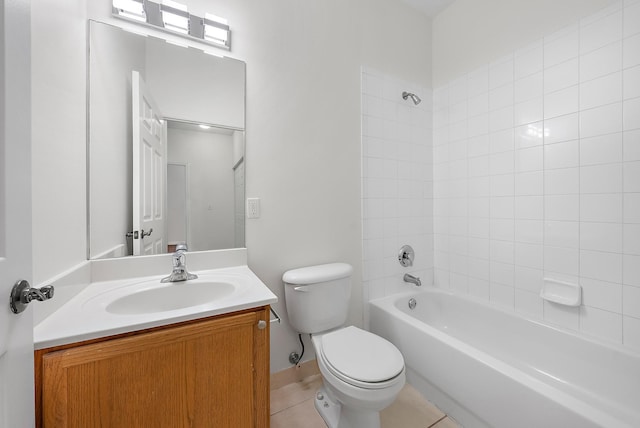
(22, 294)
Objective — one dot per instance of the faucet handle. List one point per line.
(182, 247)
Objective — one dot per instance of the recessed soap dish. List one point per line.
(561, 292)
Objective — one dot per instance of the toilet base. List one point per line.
(335, 415)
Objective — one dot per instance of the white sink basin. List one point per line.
(107, 308)
(169, 297)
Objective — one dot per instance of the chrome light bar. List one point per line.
(174, 18)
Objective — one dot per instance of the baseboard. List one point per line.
(294, 374)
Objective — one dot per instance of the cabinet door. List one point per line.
(198, 375)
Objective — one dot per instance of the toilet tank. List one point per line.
(317, 297)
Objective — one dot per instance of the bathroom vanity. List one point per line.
(134, 352)
(212, 372)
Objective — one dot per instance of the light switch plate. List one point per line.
(253, 207)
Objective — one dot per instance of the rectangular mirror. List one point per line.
(166, 146)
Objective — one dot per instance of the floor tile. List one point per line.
(301, 415)
(294, 393)
(410, 410)
(446, 423)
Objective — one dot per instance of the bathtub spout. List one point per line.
(412, 279)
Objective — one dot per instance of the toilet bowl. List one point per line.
(362, 373)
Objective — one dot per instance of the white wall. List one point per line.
(397, 174)
(537, 172)
(469, 32)
(211, 190)
(58, 65)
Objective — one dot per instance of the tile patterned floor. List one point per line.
(292, 407)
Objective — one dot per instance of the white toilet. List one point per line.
(362, 373)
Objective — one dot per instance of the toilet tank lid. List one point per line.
(319, 273)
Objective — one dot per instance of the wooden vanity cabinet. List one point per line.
(212, 372)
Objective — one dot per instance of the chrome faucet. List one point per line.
(412, 279)
(179, 272)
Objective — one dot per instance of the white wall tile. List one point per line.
(632, 176)
(601, 91)
(631, 271)
(566, 207)
(562, 155)
(564, 75)
(631, 303)
(529, 159)
(600, 265)
(562, 233)
(631, 114)
(631, 20)
(478, 82)
(502, 251)
(563, 181)
(529, 255)
(502, 295)
(601, 237)
(529, 279)
(501, 229)
(561, 260)
(631, 51)
(631, 82)
(631, 239)
(501, 119)
(601, 207)
(563, 128)
(601, 294)
(531, 86)
(632, 207)
(601, 62)
(528, 304)
(529, 207)
(529, 135)
(528, 111)
(562, 102)
(602, 324)
(501, 72)
(601, 120)
(602, 149)
(631, 332)
(501, 141)
(501, 97)
(529, 231)
(562, 316)
(536, 172)
(561, 46)
(605, 178)
(596, 34)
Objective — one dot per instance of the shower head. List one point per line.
(416, 99)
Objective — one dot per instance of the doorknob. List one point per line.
(22, 294)
(147, 233)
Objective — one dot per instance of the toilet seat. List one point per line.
(361, 358)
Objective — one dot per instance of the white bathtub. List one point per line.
(492, 368)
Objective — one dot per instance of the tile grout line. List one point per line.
(437, 422)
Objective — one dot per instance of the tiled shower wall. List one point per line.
(536, 164)
(397, 197)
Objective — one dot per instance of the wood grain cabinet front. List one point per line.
(206, 373)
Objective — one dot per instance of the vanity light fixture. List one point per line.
(174, 18)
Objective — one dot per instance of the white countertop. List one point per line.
(85, 316)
